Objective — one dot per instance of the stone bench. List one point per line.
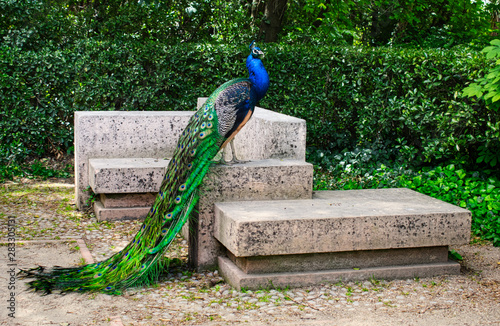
(120, 156)
(258, 222)
(127, 187)
(271, 179)
(338, 235)
(153, 136)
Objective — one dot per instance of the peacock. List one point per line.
(208, 131)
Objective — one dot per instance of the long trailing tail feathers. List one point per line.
(140, 262)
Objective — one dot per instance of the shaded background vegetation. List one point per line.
(379, 82)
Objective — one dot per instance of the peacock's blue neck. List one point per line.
(258, 76)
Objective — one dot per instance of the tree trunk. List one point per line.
(273, 18)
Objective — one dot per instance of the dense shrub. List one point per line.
(487, 88)
(410, 98)
(407, 100)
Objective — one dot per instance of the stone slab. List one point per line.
(270, 179)
(127, 200)
(238, 279)
(269, 135)
(122, 134)
(154, 134)
(335, 221)
(126, 175)
(340, 260)
(115, 214)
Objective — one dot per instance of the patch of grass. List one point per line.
(36, 169)
(190, 297)
(265, 298)
(374, 281)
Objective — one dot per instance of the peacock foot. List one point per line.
(236, 161)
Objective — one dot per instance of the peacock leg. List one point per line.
(222, 159)
(235, 159)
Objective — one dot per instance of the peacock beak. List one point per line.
(261, 54)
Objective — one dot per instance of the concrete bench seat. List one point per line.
(127, 187)
(370, 230)
(126, 175)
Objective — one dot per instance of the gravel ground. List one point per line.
(45, 210)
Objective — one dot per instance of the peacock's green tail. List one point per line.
(139, 263)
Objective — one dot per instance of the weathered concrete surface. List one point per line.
(340, 260)
(115, 214)
(238, 279)
(270, 179)
(154, 134)
(336, 221)
(254, 180)
(123, 206)
(269, 135)
(127, 200)
(113, 134)
(126, 175)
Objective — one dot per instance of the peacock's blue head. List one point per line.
(255, 51)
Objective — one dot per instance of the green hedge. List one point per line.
(406, 99)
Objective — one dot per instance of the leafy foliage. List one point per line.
(417, 23)
(35, 169)
(478, 192)
(487, 88)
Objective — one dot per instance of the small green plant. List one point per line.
(265, 298)
(452, 254)
(374, 281)
(92, 196)
(339, 283)
(187, 273)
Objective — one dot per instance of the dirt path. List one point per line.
(44, 210)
